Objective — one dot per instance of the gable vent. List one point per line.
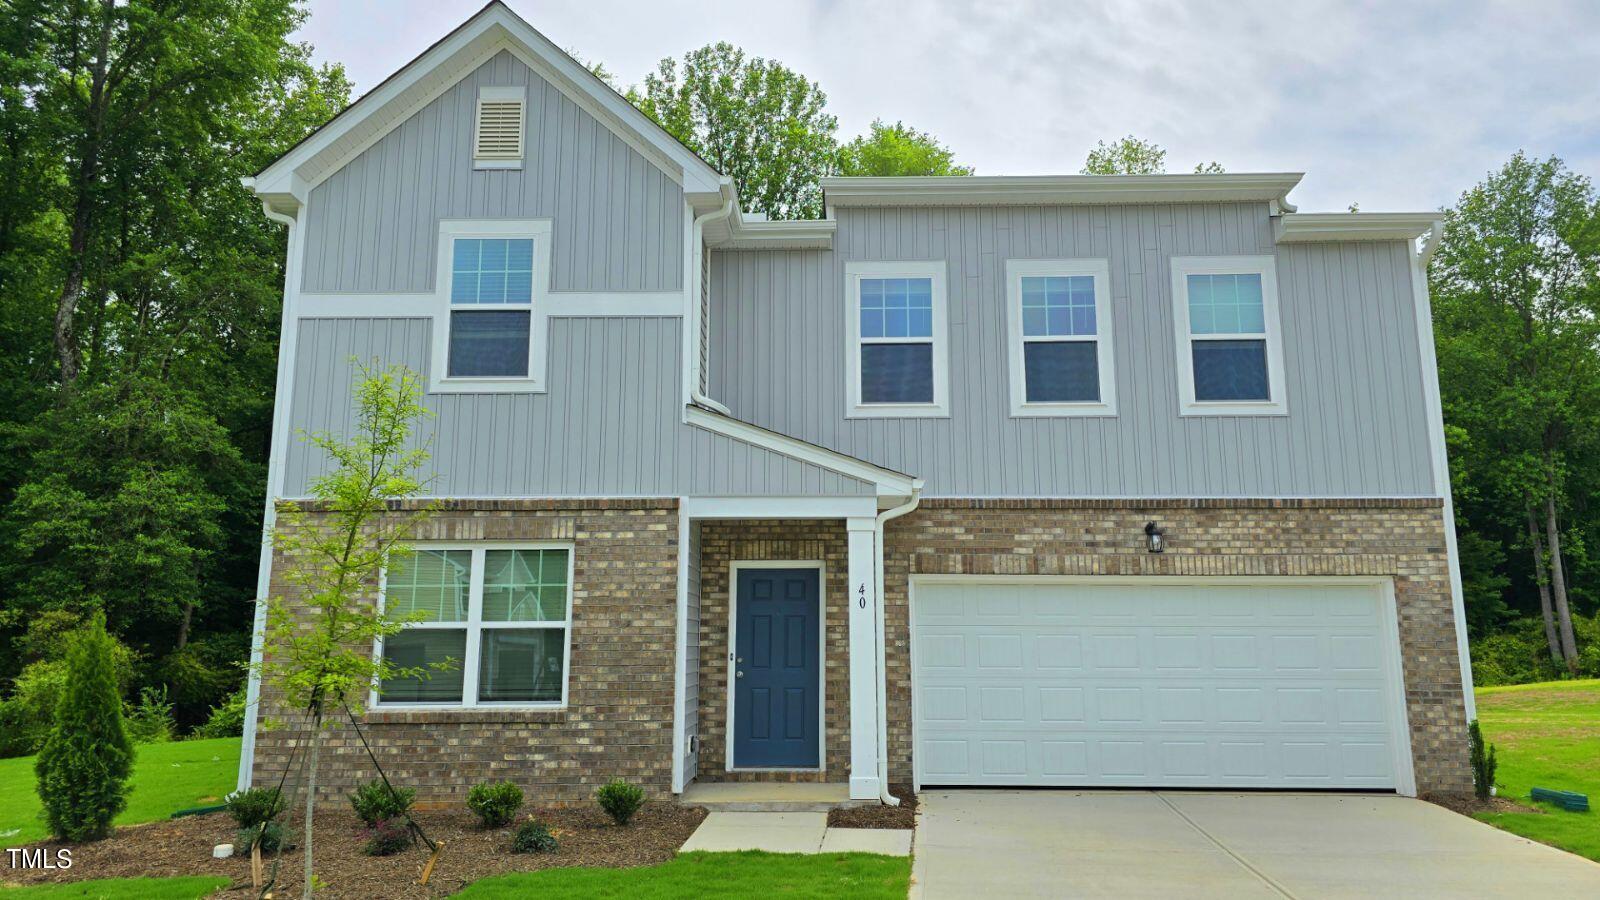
(498, 136)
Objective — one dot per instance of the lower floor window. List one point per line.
(497, 619)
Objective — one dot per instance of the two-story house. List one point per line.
(1087, 481)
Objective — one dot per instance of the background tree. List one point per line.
(1517, 316)
(83, 768)
(139, 333)
(753, 119)
(1132, 156)
(318, 647)
(897, 150)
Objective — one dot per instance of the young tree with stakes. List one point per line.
(318, 647)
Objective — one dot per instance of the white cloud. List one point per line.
(1397, 106)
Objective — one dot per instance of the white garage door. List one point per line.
(1152, 683)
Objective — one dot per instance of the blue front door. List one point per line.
(777, 682)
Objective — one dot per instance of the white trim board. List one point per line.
(1399, 714)
(822, 658)
(557, 304)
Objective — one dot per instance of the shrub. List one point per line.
(227, 718)
(1483, 762)
(84, 765)
(620, 800)
(494, 802)
(271, 835)
(255, 806)
(533, 837)
(150, 720)
(376, 802)
(386, 838)
(28, 714)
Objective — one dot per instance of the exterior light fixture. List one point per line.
(1155, 536)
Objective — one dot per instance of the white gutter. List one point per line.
(277, 448)
(881, 681)
(1440, 453)
(691, 319)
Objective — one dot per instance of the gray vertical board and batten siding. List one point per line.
(1356, 423)
(609, 426)
(373, 226)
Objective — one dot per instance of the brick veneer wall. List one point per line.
(725, 542)
(618, 721)
(1400, 538)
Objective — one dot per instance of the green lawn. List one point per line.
(166, 778)
(860, 876)
(1546, 735)
(120, 889)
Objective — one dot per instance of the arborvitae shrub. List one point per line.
(84, 765)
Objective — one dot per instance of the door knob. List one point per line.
(739, 674)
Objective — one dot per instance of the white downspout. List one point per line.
(880, 683)
(697, 289)
(277, 448)
(1441, 455)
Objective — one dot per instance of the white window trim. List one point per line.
(474, 626)
(1100, 271)
(933, 270)
(1266, 267)
(500, 94)
(539, 230)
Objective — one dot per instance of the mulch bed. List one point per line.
(183, 847)
(876, 815)
(1469, 804)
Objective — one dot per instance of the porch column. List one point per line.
(863, 662)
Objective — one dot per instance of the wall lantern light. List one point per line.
(1155, 536)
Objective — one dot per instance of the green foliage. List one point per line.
(255, 806)
(376, 801)
(495, 803)
(150, 720)
(753, 119)
(186, 888)
(897, 150)
(386, 838)
(1515, 654)
(1548, 736)
(271, 835)
(751, 873)
(1132, 156)
(27, 715)
(1483, 762)
(139, 330)
(534, 837)
(620, 800)
(338, 558)
(84, 766)
(1516, 304)
(227, 718)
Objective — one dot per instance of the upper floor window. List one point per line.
(497, 134)
(1230, 351)
(1061, 356)
(898, 353)
(493, 275)
(498, 618)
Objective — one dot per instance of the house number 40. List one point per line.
(862, 601)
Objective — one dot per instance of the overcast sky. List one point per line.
(1397, 106)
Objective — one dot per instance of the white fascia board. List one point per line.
(1036, 190)
(888, 481)
(493, 29)
(1295, 228)
(780, 507)
(804, 234)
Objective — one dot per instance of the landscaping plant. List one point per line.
(495, 803)
(150, 720)
(84, 765)
(318, 648)
(1483, 762)
(386, 837)
(620, 800)
(376, 802)
(270, 835)
(533, 837)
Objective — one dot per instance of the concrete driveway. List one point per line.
(1181, 844)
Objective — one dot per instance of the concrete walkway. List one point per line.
(1178, 844)
(792, 832)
